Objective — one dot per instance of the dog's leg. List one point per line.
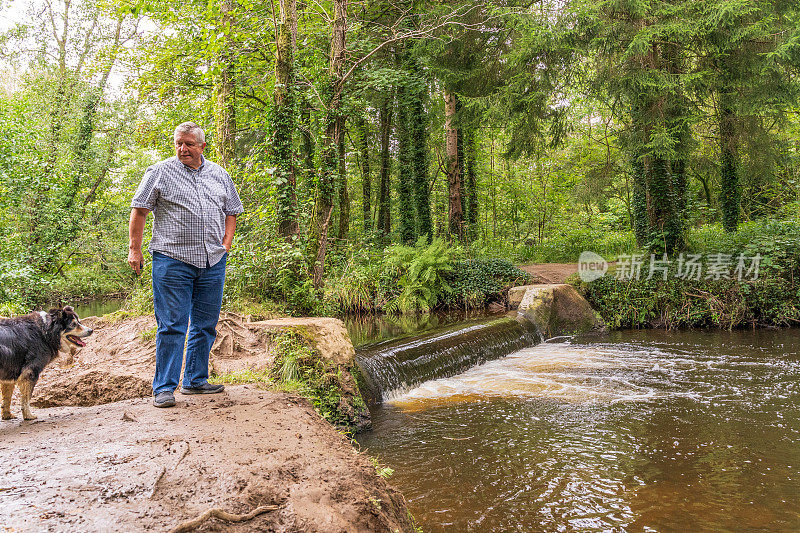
(26, 383)
(7, 388)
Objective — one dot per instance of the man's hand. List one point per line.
(230, 229)
(135, 231)
(136, 260)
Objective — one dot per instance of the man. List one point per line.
(194, 205)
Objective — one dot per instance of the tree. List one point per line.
(284, 120)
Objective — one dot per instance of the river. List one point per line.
(633, 431)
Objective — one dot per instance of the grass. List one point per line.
(242, 377)
(149, 334)
(383, 471)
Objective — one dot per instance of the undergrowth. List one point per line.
(418, 279)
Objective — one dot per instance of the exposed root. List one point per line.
(164, 470)
(222, 515)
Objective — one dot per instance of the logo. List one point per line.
(591, 266)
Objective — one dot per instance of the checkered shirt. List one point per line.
(189, 208)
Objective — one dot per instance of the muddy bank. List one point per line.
(118, 362)
(127, 466)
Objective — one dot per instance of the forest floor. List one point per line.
(550, 272)
(100, 457)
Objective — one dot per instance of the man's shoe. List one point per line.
(205, 388)
(164, 399)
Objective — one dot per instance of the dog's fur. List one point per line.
(27, 344)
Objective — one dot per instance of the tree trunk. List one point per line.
(284, 122)
(455, 212)
(308, 148)
(419, 138)
(471, 186)
(730, 191)
(385, 200)
(366, 178)
(405, 206)
(344, 195)
(323, 208)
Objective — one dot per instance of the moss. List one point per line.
(149, 334)
(262, 378)
(332, 388)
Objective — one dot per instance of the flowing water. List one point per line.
(635, 431)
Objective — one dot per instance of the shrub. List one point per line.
(476, 282)
(421, 273)
(567, 247)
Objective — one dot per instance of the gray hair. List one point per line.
(194, 129)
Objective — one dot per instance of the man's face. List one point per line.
(188, 149)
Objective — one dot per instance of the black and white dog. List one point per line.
(27, 344)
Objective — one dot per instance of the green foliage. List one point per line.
(271, 270)
(421, 273)
(478, 281)
(419, 279)
(778, 242)
(382, 471)
(676, 303)
(260, 377)
(565, 248)
(149, 334)
(771, 300)
(332, 389)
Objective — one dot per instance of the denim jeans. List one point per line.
(182, 291)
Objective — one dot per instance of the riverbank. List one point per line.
(127, 466)
(768, 302)
(100, 457)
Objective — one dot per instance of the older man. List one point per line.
(194, 205)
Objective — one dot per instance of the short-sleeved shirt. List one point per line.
(189, 208)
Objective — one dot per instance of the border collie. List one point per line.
(27, 344)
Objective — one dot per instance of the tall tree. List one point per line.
(384, 191)
(454, 187)
(344, 194)
(405, 204)
(419, 139)
(284, 119)
(323, 208)
(366, 177)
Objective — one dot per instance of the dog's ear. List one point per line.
(58, 315)
(69, 309)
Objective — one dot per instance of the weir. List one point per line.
(543, 311)
(396, 366)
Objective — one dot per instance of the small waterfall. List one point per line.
(395, 366)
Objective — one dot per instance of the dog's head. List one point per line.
(66, 321)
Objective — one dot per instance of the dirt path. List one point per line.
(127, 466)
(550, 272)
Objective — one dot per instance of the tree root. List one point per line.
(222, 515)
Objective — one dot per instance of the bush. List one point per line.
(419, 279)
(272, 270)
(677, 303)
(476, 282)
(567, 247)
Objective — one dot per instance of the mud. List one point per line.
(550, 272)
(118, 361)
(128, 466)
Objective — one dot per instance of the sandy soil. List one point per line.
(128, 466)
(550, 272)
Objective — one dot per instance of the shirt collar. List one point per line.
(202, 164)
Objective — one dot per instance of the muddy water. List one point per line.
(636, 431)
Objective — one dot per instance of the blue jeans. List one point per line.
(181, 291)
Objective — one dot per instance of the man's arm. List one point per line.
(230, 229)
(135, 234)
